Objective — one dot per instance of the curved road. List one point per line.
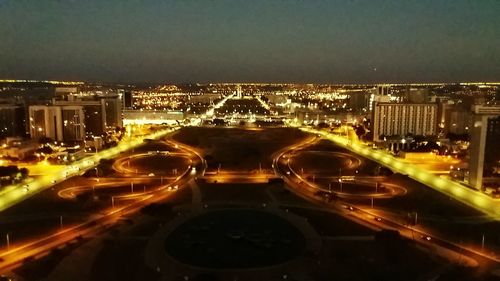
(452, 251)
(15, 256)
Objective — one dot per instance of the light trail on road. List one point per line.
(13, 194)
(475, 199)
(100, 222)
(119, 164)
(452, 251)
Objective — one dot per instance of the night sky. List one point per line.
(250, 41)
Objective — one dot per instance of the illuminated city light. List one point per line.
(475, 199)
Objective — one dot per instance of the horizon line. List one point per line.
(76, 83)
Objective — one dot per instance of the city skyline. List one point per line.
(222, 41)
(249, 176)
(218, 140)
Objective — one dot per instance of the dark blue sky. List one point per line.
(242, 40)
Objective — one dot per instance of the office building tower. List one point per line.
(419, 95)
(94, 114)
(113, 109)
(128, 99)
(400, 119)
(359, 101)
(382, 90)
(484, 137)
(12, 121)
(59, 123)
(72, 123)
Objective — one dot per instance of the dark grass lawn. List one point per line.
(239, 149)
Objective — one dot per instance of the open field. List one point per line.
(238, 148)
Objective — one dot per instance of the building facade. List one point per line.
(113, 109)
(484, 137)
(12, 121)
(401, 119)
(152, 117)
(60, 123)
(128, 99)
(94, 114)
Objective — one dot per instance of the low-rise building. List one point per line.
(18, 148)
(152, 117)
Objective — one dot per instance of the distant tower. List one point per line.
(238, 92)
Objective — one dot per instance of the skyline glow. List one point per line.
(250, 41)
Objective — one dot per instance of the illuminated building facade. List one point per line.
(128, 99)
(152, 117)
(484, 137)
(113, 109)
(12, 121)
(60, 123)
(400, 119)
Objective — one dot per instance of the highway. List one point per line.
(333, 184)
(129, 203)
(122, 165)
(468, 196)
(104, 183)
(12, 194)
(369, 217)
(122, 206)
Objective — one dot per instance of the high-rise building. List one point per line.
(459, 121)
(454, 118)
(95, 119)
(484, 137)
(382, 90)
(60, 123)
(94, 114)
(375, 98)
(492, 137)
(400, 119)
(72, 123)
(38, 122)
(419, 95)
(359, 101)
(12, 121)
(128, 99)
(113, 109)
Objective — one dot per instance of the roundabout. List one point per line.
(154, 163)
(324, 162)
(339, 173)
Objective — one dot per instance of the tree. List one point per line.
(360, 131)
(44, 140)
(8, 171)
(219, 122)
(45, 150)
(24, 173)
(105, 166)
(323, 125)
